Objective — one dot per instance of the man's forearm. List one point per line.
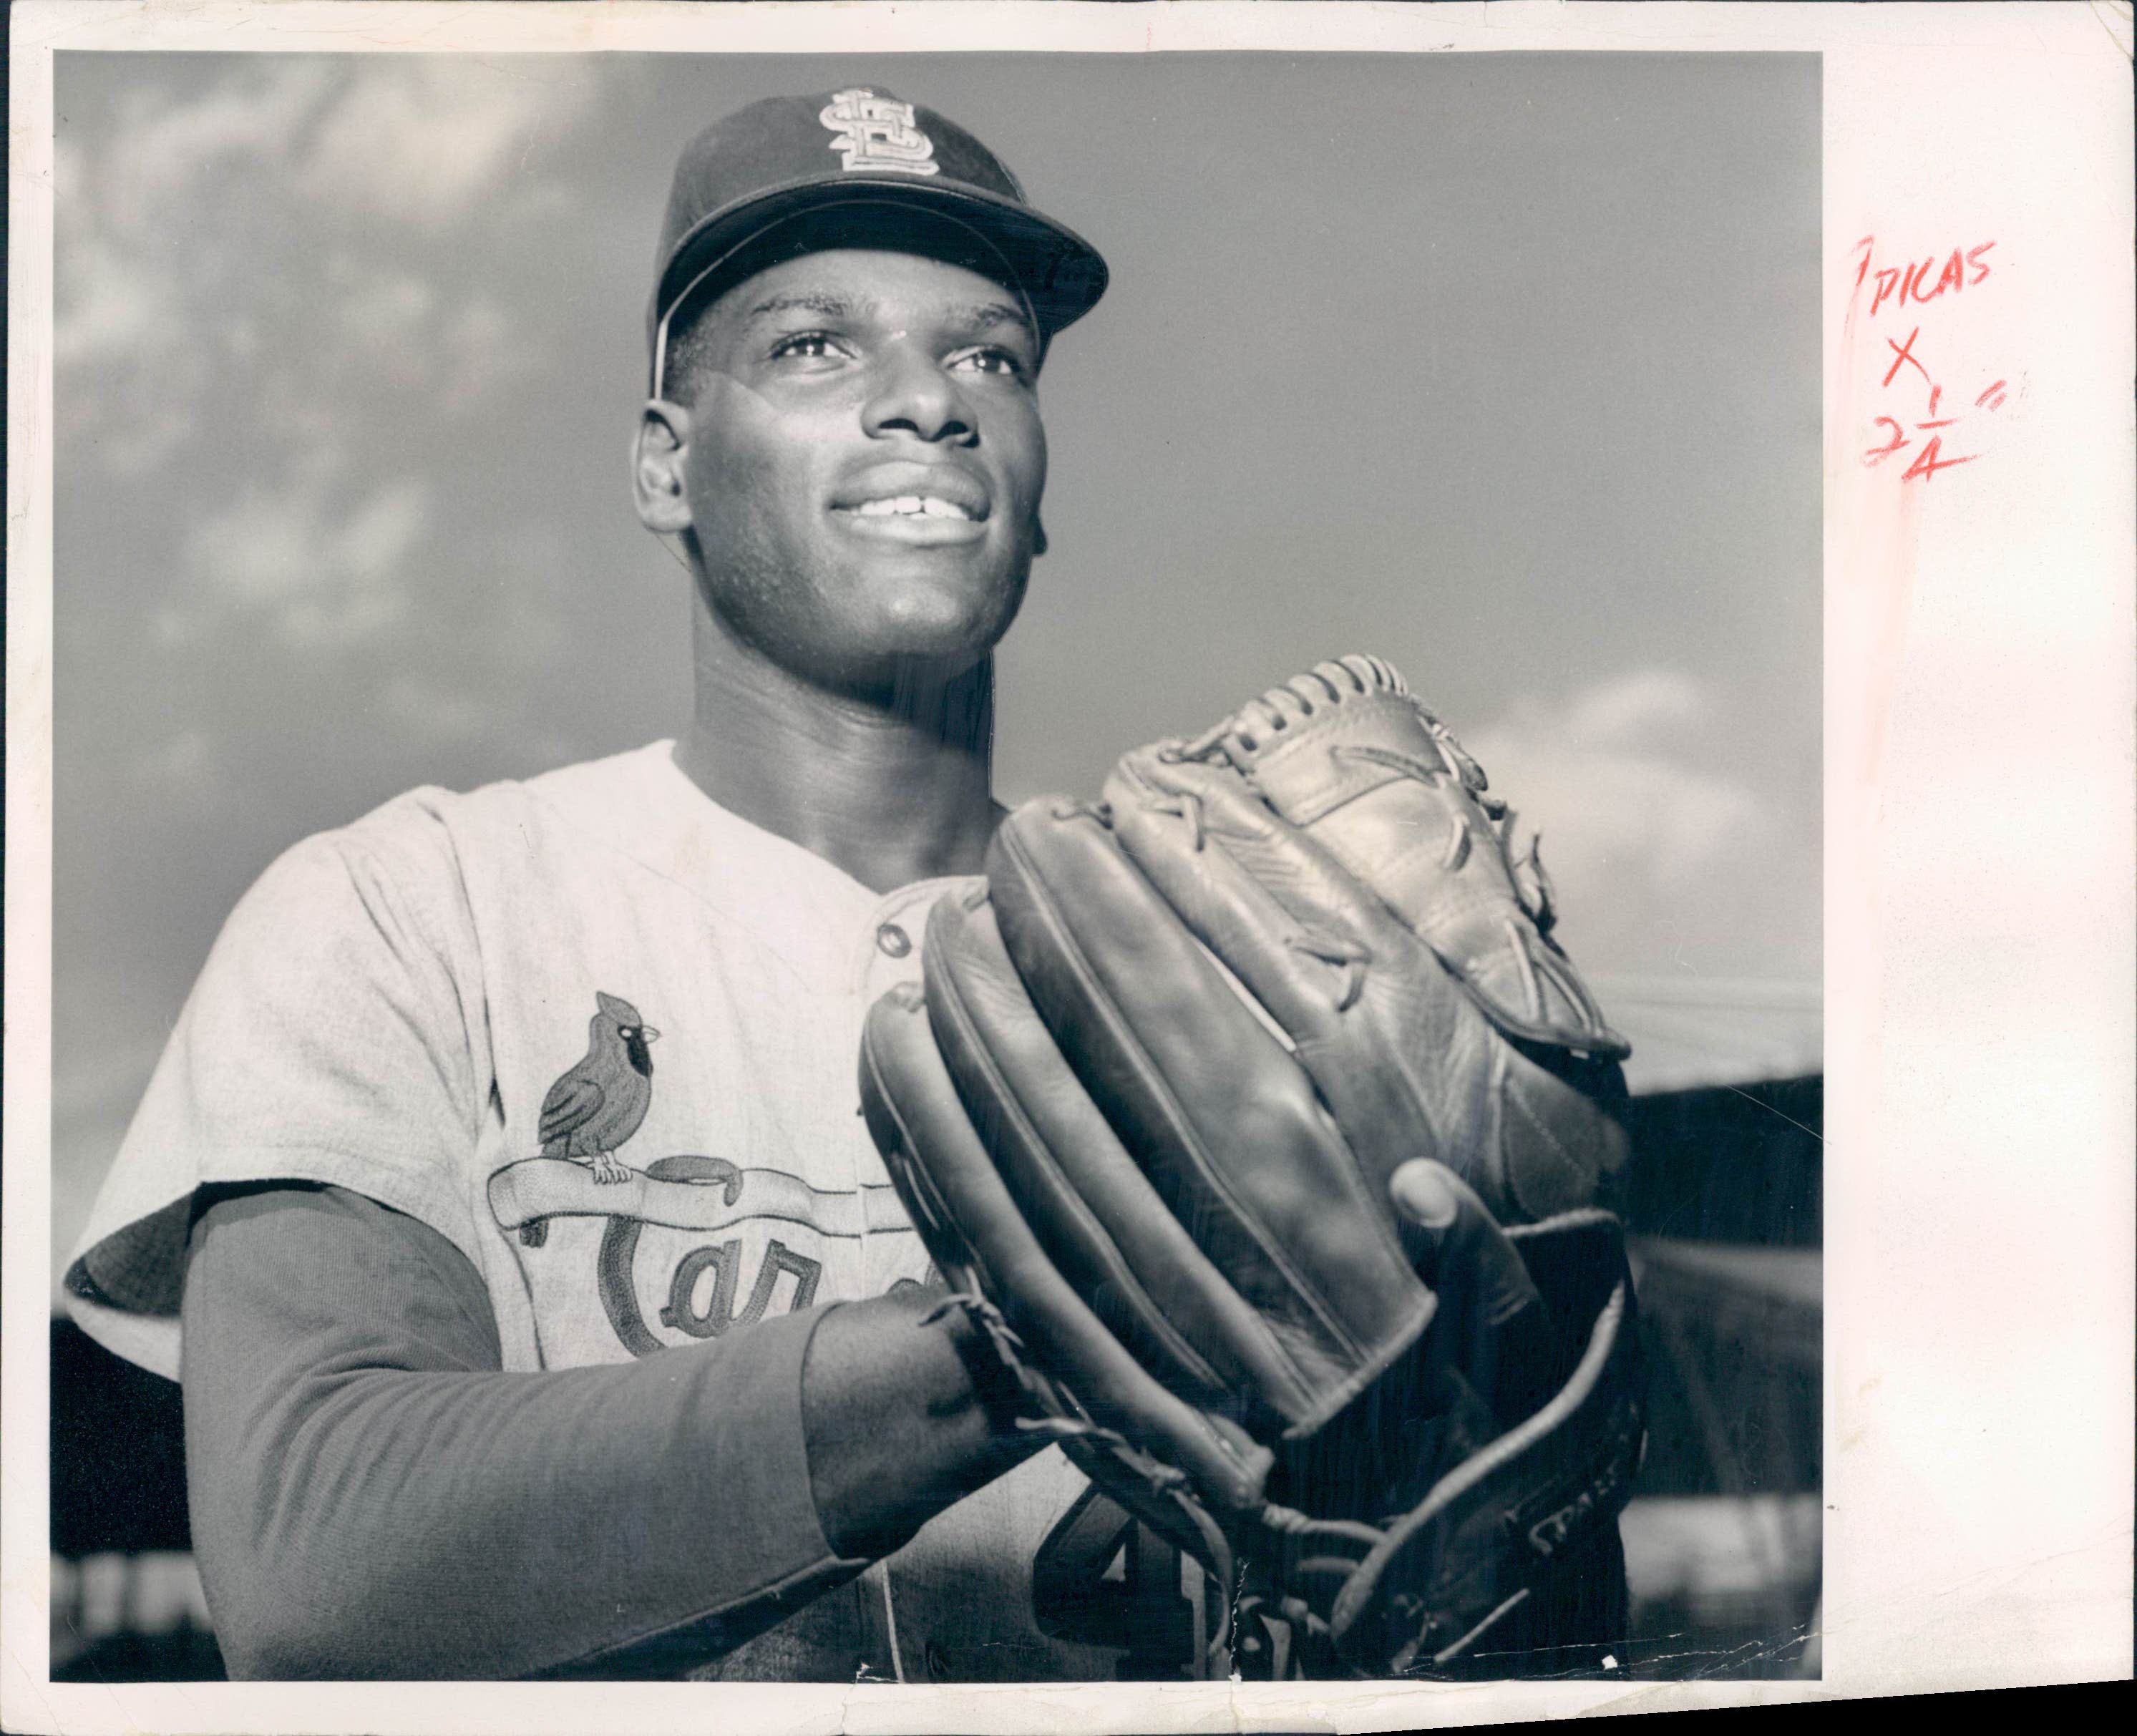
(373, 1495)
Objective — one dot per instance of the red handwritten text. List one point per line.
(1919, 280)
(1916, 416)
(1930, 459)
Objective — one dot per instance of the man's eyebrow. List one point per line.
(821, 303)
(977, 316)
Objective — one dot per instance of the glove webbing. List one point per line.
(1169, 1482)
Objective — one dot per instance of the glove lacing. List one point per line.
(1326, 684)
(1172, 1483)
(1329, 684)
(1333, 683)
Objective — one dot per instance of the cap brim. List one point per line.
(1059, 272)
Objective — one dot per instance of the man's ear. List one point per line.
(1038, 535)
(657, 453)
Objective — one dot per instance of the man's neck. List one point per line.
(891, 792)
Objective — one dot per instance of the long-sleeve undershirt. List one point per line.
(372, 1495)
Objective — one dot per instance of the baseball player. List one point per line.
(541, 1301)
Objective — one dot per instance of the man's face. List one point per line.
(865, 463)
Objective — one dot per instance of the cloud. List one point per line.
(164, 147)
(482, 351)
(184, 764)
(327, 576)
(433, 713)
(286, 229)
(407, 338)
(420, 141)
(1662, 863)
(104, 307)
(1604, 773)
(423, 143)
(1643, 706)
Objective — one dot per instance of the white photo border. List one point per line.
(1981, 681)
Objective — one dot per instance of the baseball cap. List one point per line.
(796, 174)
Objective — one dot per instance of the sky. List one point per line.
(1504, 367)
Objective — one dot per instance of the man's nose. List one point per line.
(914, 394)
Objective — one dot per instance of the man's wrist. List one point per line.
(903, 1415)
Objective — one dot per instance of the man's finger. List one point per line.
(1491, 1327)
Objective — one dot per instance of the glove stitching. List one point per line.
(1183, 805)
(1531, 989)
(1002, 1090)
(1349, 956)
(1190, 1142)
(1580, 1173)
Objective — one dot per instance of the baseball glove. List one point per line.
(1255, 1114)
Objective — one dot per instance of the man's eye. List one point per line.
(992, 361)
(805, 345)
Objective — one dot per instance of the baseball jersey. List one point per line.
(600, 1034)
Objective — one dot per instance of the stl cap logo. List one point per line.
(876, 133)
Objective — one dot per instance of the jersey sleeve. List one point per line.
(374, 1496)
(336, 1034)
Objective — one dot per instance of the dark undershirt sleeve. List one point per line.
(373, 1495)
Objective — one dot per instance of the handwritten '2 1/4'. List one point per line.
(1895, 290)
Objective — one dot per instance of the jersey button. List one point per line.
(893, 940)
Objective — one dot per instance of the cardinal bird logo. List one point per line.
(597, 1106)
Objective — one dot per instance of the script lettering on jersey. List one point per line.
(702, 1287)
(723, 1261)
(707, 1288)
(1923, 385)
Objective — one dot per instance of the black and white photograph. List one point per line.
(463, 1064)
(936, 868)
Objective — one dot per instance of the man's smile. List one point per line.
(916, 503)
(904, 506)
(919, 530)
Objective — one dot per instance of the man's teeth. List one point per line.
(906, 506)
